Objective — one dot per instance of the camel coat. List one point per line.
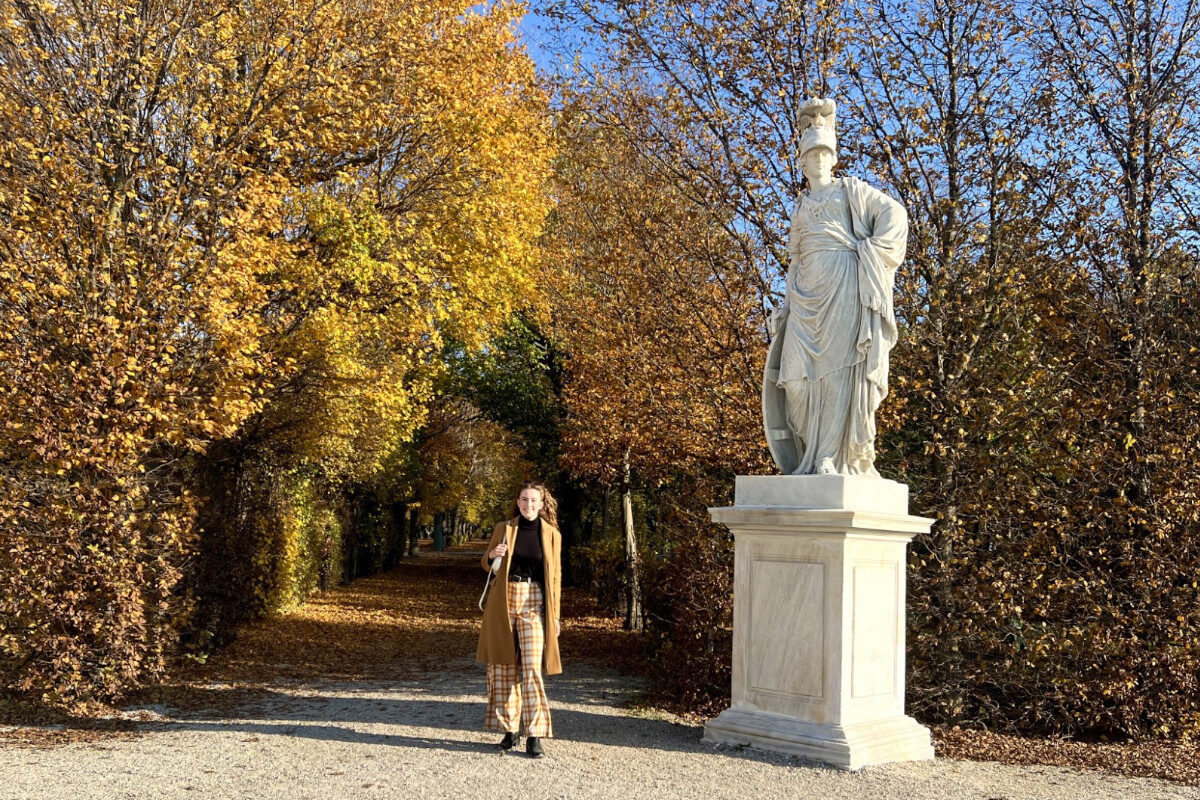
(496, 637)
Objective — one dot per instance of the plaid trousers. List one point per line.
(516, 692)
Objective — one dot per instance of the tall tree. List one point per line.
(230, 236)
(1128, 73)
(1127, 81)
(656, 314)
(728, 79)
(942, 108)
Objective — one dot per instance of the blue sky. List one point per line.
(551, 50)
(537, 39)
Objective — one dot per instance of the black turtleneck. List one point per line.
(527, 550)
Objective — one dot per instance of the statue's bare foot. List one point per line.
(825, 467)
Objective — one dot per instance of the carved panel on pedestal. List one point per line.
(786, 645)
(873, 665)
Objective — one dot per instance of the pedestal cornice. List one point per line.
(823, 521)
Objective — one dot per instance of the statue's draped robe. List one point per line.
(840, 323)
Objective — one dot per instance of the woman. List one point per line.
(520, 620)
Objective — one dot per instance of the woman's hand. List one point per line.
(498, 551)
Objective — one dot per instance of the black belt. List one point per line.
(519, 579)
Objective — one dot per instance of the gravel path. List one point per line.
(422, 739)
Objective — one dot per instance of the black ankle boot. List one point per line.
(533, 746)
(509, 741)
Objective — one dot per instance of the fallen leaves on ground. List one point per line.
(1168, 760)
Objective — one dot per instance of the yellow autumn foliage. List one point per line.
(229, 223)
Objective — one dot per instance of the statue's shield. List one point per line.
(774, 408)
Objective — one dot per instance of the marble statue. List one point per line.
(827, 368)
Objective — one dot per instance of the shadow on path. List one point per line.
(585, 710)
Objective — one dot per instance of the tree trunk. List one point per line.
(633, 586)
(571, 501)
(414, 532)
(397, 533)
(439, 532)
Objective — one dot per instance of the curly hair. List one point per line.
(549, 504)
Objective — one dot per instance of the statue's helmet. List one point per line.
(817, 118)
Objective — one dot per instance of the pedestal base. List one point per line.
(847, 747)
(818, 619)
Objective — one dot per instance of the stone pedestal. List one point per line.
(818, 620)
